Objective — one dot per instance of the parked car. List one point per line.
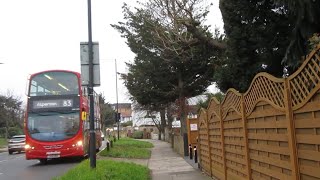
(16, 144)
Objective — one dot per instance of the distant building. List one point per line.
(140, 118)
(125, 111)
(193, 111)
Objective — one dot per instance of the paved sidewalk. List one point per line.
(166, 164)
(3, 149)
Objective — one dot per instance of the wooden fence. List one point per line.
(270, 132)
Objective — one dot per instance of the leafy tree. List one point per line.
(205, 99)
(170, 63)
(264, 35)
(257, 38)
(11, 114)
(151, 112)
(106, 112)
(306, 22)
(15, 131)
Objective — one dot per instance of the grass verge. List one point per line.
(107, 169)
(133, 143)
(3, 142)
(129, 148)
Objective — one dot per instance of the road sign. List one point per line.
(84, 58)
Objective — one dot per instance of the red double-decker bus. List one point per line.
(57, 116)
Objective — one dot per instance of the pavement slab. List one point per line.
(166, 164)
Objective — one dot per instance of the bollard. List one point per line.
(108, 146)
(195, 154)
(190, 151)
(111, 143)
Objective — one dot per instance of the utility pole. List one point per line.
(92, 142)
(118, 118)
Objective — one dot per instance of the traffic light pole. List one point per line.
(92, 144)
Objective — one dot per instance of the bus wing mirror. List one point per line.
(84, 115)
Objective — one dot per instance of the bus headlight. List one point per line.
(79, 143)
(27, 146)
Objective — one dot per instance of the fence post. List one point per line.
(209, 147)
(245, 131)
(195, 154)
(222, 143)
(291, 130)
(198, 145)
(190, 151)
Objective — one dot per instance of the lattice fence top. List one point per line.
(202, 118)
(265, 87)
(305, 82)
(213, 107)
(232, 100)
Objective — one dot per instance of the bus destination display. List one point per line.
(59, 103)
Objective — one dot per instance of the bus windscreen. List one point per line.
(54, 83)
(53, 126)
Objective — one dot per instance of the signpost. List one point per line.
(89, 58)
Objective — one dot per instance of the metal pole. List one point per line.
(92, 142)
(118, 120)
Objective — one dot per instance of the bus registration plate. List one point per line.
(55, 154)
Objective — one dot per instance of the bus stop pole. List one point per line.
(92, 144)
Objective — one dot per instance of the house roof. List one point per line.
(123, 108)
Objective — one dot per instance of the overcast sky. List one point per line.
(37, 35)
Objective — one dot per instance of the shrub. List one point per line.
(137, 135)
(14, 131)
(3, 132)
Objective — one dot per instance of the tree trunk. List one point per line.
(169, 118)
(182, 105)
(163, 122)
(169, 125)
(159, 135)
(183, 115)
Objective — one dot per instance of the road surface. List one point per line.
(16, 167)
